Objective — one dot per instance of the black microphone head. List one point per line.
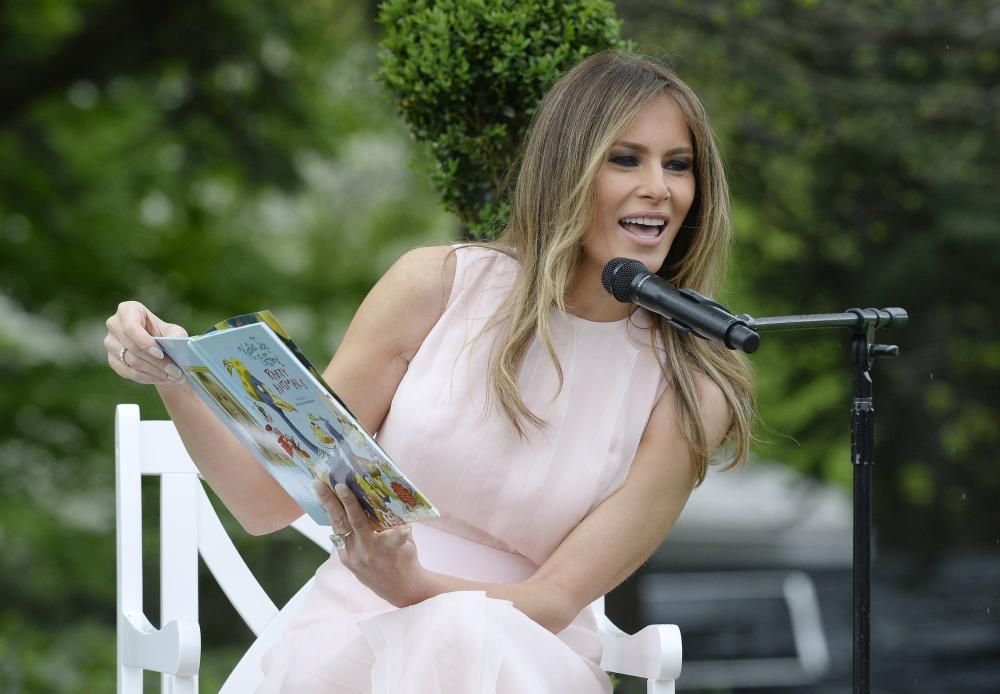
(618, 275)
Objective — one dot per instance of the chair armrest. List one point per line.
(653, 653)
(174, 650)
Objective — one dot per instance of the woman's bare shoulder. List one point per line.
(424, 275)
(410, 297)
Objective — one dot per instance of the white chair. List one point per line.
(189, 527)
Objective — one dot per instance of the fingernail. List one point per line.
(173, 371)
(342, 491)
(156, 352)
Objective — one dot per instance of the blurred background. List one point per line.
(214, 158)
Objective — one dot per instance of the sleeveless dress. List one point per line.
(506, 504)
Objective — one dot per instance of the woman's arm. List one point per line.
(253, 496)
(601, 552)
(386, 330)
(624, 531)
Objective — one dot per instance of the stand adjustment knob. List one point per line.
(883, 351)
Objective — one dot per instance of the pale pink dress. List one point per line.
(506, 504)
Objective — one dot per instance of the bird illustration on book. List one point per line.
(264, 414)
(391, 487)
(405, 495)
(337, 435)
(372, 498)
(374, 476)
(321, 436)
(260, 393)
(287, 442)
(334, 445)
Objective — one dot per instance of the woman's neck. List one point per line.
(588, 299)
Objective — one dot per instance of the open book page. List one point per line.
(292, 408)
(248, 425)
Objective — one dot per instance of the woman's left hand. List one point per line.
(386, 561)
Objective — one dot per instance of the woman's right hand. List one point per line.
(132, 327)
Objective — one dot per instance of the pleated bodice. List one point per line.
(492, 486)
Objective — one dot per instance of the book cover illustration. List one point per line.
(246, 427)
(278, 405)
(268, 318)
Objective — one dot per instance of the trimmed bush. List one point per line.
(467, 76)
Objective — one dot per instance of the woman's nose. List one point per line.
(654, 184)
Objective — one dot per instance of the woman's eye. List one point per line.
(677, 165)
(624, 160)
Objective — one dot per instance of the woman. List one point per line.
(559, 432)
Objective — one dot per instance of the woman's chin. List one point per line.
(650, 252)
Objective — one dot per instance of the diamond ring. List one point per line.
(339, 540)
(121, 355)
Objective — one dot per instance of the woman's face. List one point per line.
(644, 189)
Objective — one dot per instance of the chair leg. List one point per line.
(179, 685)
(660, 687)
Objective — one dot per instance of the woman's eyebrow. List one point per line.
(642, 149)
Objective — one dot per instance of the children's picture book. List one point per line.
(254, 377)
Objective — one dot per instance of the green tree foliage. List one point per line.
(467, 75)
(207, 159)
(861, 140)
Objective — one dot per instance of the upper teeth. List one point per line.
(651, 221)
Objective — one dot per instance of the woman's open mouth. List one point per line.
(645, 231)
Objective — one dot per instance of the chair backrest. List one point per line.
(190, 527)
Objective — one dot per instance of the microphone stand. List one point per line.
(697, 314)
(863, 323)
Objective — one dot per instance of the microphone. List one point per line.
(631, 283)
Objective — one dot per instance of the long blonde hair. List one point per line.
(553, 203)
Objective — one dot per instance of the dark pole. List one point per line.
(862, 457)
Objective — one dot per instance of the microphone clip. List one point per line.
(698, 298)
